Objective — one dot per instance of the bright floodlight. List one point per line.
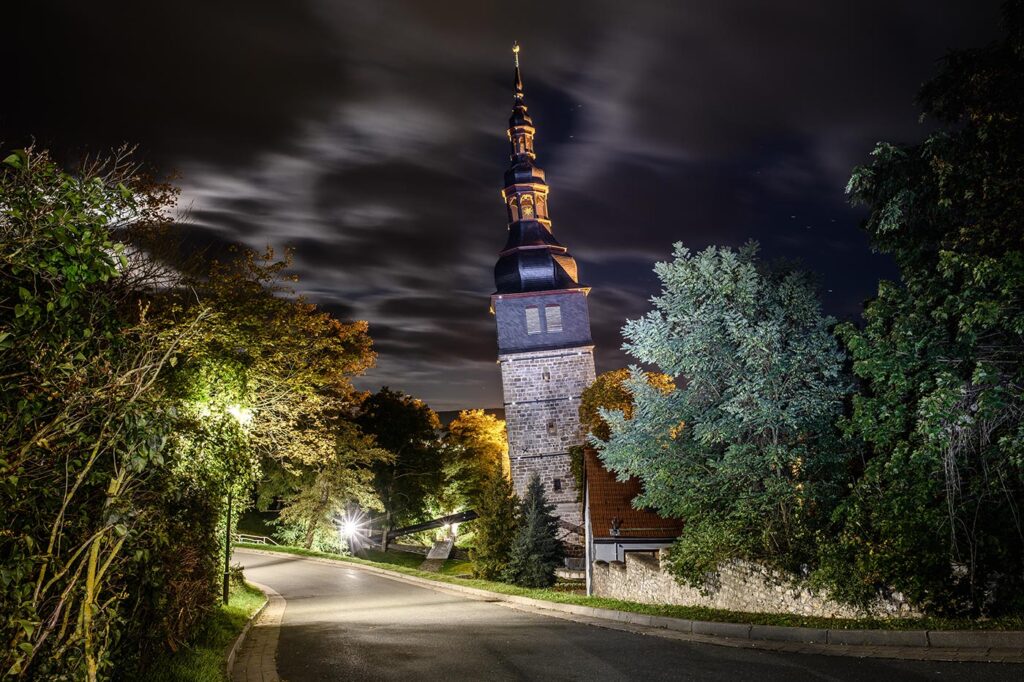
(349, 528)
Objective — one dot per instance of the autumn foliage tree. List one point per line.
(475, 446)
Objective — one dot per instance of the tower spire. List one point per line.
(519, 77)
(532, 259)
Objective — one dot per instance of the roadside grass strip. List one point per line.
(695, 613)
(203, 659)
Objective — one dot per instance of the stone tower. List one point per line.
(544, 346)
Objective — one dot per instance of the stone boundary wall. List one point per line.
(738, 586)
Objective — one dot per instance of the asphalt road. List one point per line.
(341, 623)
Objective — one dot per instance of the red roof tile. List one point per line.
(610, 499)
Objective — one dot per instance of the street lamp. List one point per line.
(243, 416)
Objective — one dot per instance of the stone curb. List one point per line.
(940, 645)
(229, 663)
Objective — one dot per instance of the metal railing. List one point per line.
(253, 539)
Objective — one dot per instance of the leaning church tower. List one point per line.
(544, 345)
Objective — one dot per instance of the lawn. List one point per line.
(674, 611)
(203, 659)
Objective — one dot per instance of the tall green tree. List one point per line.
(745, 450)
(408, 429)
(536, 550)
(937, 510)
(494, 529)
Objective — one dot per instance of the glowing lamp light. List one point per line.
(242, 414)
(349, 528)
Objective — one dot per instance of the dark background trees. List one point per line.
(936, 511)
(408, 429)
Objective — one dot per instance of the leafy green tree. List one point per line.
(475, 445)
(536, 550)
(84, 419)
(323, 493)
(494, 528)
(408, 429)
(936, 512)
(745, 451)
(610, 391)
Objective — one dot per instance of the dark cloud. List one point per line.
(369, 136)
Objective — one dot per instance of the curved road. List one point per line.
(342, 623)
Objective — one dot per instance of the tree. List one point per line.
(936, 511)
(408, 429)
(476, 444)
(746, 451)
(84, 420)
(536, 550)
(494, 528)
(610, 391)
(320, 494)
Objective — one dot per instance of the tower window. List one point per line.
(513, 211)
(546, 375)
(553, 317)
(552, 429)
(532, 320)
(558, 484)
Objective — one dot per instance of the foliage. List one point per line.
(936, 512)
(133, 398)
(323, 493)
(494, 528)
(610, 391)
(83, 421)
(408, 429)
(745, 452)
(536, 550)
(476, 444)
(203, 659)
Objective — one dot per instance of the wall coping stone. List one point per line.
(943, 645)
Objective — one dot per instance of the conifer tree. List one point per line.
(536, 550)
(495, 526)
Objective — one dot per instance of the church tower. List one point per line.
(544, 345)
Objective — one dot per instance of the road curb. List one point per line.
(939, 645)
(229, 663)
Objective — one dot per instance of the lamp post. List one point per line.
(243, 417)
(227, 550)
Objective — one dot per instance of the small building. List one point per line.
(613, 526)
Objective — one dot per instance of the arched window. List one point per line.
(542, 207)
(513, 210)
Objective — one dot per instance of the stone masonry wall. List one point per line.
(542, 397)
(739, 586)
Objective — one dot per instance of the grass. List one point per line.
(674, 611)
(203, 659)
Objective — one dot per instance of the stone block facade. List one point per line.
(738, 586)
(542, 392)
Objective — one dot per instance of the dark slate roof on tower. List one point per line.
(532, 259)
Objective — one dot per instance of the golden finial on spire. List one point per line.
(515, 52)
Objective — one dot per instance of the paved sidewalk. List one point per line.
(256, 661)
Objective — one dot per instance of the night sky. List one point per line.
(370, 136)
